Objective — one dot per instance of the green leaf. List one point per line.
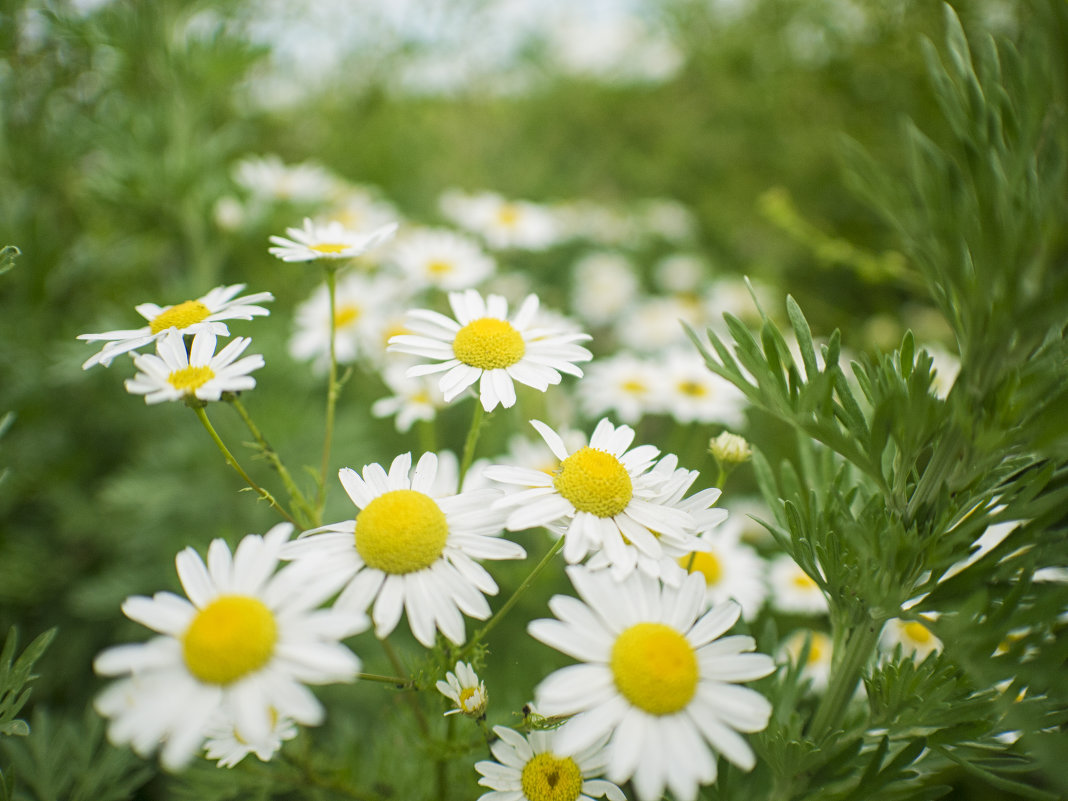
(8, 254)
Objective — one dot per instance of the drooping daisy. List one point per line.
(482, 345)
(438, 257)
(914, 637)
(190, 317)
(817, 667)
(408, 551)
(531, 769)
(238, 651)
(603, 494)
(331, 240)
(657, 678)
(731, 569)
(793, 590)
(466, 690)
(624, 384)
(175, 374)
(225, 745)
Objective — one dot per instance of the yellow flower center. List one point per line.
(488, 343)
(190, 379)
(595, 482)
(471, 700)
(181, 316)
(229, 638)
(439, 267)
(816, 647)
(634, 387)
(345, 315)
(330, 248)
(508, 215)
(917, 632)
(550, 778)
(693, 389)
(654, 668)
(401, 531)
(705, 563)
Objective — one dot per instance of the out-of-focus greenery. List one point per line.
(119, 130)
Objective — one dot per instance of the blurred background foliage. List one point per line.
(121, 123)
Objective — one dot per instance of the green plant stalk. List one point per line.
(397, 681)
(332, 392)
(471, 441)
(230, 460)
(420, 718)
(856, 652)
(296, 497)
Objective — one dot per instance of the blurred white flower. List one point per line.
(792, 590)
(604, 284)
(441, 258)
(502, 223)
(330, 240)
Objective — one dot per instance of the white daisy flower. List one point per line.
(482, 345)
(465, 690)
(691, 393)
(408, 551)
(413, 398)
(604, 496)
(502, 223)
(361, 209)
(225, 745)
(442, 258)
(731, 570)
(175, 374)
(654, 324)
(532, 769)
(817, 667)
(331, 240)
(681, 273)
(915, 638)
(793, 590)
(190, 317)
(656, 677)
(240, 650)
(271, 178)
(605, 283)
(624, 384)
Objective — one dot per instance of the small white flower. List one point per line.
(413, 398)
(657, 677)
(190, 317)
(655, 324)
(605, 283)
(817, 667)
(441, 258)
(174, 374)
(331, 240)
(531, 769)
(483, 346)
(408, 551)
(793, 590)
(691, 393)
(502, 223)
(465, 690)
(227, 747)
(732, 570)
(238, 652)
(914, 637)
(270, 178)
(624, 384)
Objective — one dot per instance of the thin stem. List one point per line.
(230, 460)
(332, 392)
(856, 651)
(396, 681)
(295, 495)
(471, 441)
(420, 718)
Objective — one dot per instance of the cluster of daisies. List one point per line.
(660, 574)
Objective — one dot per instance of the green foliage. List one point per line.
(8, 255)
(15, 677)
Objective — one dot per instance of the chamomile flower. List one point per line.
(605, 283)
(482, 345)
(731, 570)
(793, 590)
(413, 398)
(175, 374)
(331, 240)
(466, 690)
(655, 324)
(603, 495)
(502, 223)
(441, 258)
(408, 551)
(914, 637)
(225, 745)
(190, 317)
(624, 384)
(270, 178)
(657, 678)
(691, 393)
(237, 653)
(531, 769)
(817, 667)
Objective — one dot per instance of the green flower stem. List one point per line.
(396, 681)
(856, 651)
(200, 413)
(296, 497)
(471, 441)
(332, 392)
(420, 718)
(500, 613)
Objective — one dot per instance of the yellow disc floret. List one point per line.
(190, 379)
(330, 248)
(401, 531)
(181, 316)
(654, 668)
(595, 482)
(345, 315)
(232, 636)
(550, 778)
(917, 632)
(489, 343)
(705, 563)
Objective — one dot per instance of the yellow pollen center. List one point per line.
(550, 778)
(594, 482)
(635, 387)
(802, 582)
(488, 343)
(181, 316)
(190, 379)
(654, 668)
(401, 531)
(330, 247)
(508, 215)
(917, 632)
(229, 638)
(815, 648)
(345, 315)
(705, 563)
(693, 389)
(439, 267)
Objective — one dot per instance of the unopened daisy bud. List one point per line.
(729, 449)
(465, 690)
